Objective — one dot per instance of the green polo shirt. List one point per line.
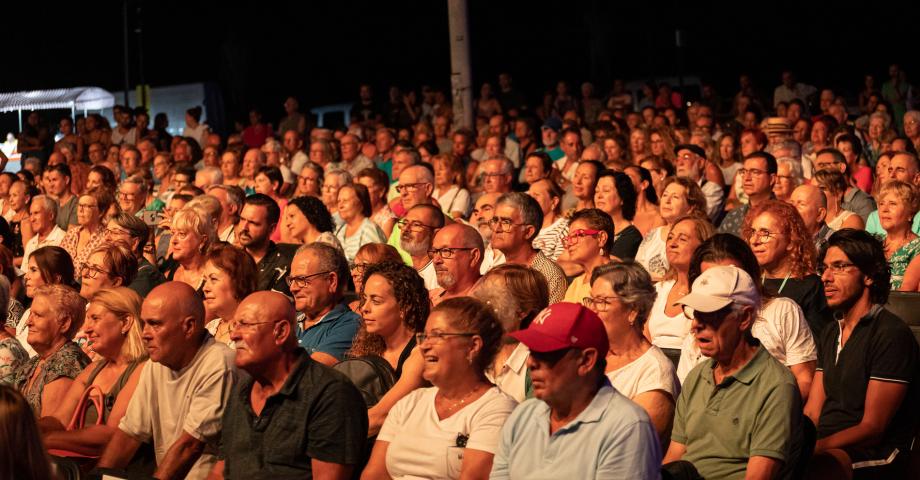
(755, 412)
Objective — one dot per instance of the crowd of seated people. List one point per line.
(584, 288)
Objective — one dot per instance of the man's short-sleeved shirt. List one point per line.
(881, 347)
(318, 413)
(168, 403)
(755, 412)
(274, 268)
(332, 335)
(611, 438)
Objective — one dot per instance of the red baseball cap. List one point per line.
(564, 325)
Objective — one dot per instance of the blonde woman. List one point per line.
(192, 233)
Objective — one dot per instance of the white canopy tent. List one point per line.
(78, 98)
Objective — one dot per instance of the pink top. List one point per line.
(863, 178)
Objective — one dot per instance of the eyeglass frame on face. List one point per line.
(115, 231)
(836, 268)
(410, 187)
(127, 195)
(599, 304)
(551, 359)
(358, 268)
(83, 206)
(575, 236)
(413, 226)
(750, 232)
(303, 281)
(506, 224)
(91, 269)
(438, 337)
(449, 250)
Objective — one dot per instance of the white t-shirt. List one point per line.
(22, 333)
(781, 329)
(199, 133)
(511, 378)
(54, 239)
(422, 446)
(430, 276)
(491, 258)
(653, 370)
(129, 138)
(666, 331)
(652, 253)
(192, 400)
(455, 199)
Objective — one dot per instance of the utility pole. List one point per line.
(460, 70)
(124, 18)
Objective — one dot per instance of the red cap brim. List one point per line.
(539, 342)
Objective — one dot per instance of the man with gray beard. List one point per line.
(456, 253)
(418, 228)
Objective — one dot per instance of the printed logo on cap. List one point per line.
(539, 319)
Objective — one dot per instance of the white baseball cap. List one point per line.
(719, 287)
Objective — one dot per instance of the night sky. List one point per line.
(321, 50)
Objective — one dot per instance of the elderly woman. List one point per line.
(230, 275)
(616, 196)
(647, 215)
(335, 180)
(516, 295)
(92, 208)
(394, 306)
(537, 166)
(448, 187)
(786, 254)
(879, 123)
(834, 185)
(47, 266)
(369, 254)
(378, 185)
(551, 239)
(192, 234)
(912, 127)
(459, 342)
(680, 197)
(306, 220)
(622, 295)
(114, 327)
(310, 181)
(897, 205)
(356, 229)
(667, 325)
(56, 315)
(588, 245)
(788, 176)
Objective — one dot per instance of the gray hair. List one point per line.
(273, 145)
(795, 169)
(235, 195)
(416, 157)
(632, 285)
(330, 259)
(207, 205)
(506, 168)
(886, 119)
(138, 180)
(912, 114)
(531, 214)
(317, 169)
(48, 204)
(343, 175)
(217, 176)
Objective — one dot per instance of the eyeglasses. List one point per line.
(359, 268)
(438, 337)
(248, 326)
(413, 226)
(759, 236)
(753, 171)
(127, 196)
(837, 268)
(506, 224)
(91, 271)
(85, 206)
(115, 231)
(598, 304)
(574, 236)
(303, 280)
(445, 252)
(409, 187)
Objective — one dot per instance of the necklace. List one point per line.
(460, 402)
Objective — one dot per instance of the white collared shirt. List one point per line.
(512, 377)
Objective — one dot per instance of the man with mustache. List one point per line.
(480, 218)
(418, 228)
(292, 417)
(182, 392)
(456, 253)
(864, 392)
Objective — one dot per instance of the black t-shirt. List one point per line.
(808, 292)
(881, 347)
(626, 243)
(318, 413)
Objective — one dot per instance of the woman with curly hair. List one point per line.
(786, 254)
(394, 306)
(307, 220)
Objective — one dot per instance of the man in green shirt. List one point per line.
(739, 413)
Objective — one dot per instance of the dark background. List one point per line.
(259, 52)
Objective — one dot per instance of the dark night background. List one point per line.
(259, 52)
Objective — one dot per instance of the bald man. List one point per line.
(457, 256)
(182, 392)
(293, 417)
(811, 203)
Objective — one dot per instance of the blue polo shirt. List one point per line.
(611, 438)
(331, 335)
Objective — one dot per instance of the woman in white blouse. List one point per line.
(622, 295)
(452, 429)
(680, 196)
(448, 189)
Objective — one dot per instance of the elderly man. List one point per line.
(811, 204)
(480, 218)
(57, 186)
(325, 324)
(864, 395)
(208, 176)
(182, 392)
(258, 218)
(516, 222)
(352, 159)
(572, 146)
(691, 163)
(758, 176)
(132, 195)
(578, 426)
(739, 412)
(496, 175)
(42, 213)
(904, 167)
(292, 417)
(418, 228)
(550, 136)
(416, 185)
(134, 233)
(231, 202)
(292, 141)
(456, 253)
(402, 159)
